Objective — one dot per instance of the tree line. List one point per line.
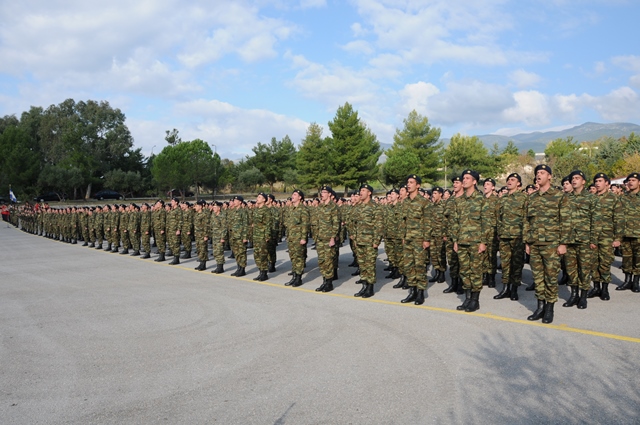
(81, 147)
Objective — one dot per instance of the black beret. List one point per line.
(472, 173)
(272, 197)
(264, 195)
(565, 179)
(238, 198)
(299, 192)
(515, 175)
(633, 176)
(490, 180)
(201, 202)
(160, 201)
(601, 176)
(530, 186)
(366, 186)
(456, 179)
(438, 189)
(327, 188)
(577, 173)
(218, 203)
(415, 177)
(542, 167)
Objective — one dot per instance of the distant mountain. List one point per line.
(586, 132)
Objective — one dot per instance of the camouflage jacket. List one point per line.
(328, 217)
(238, 222)
(547, 216)
(201, 224)
(473, 220)
(583, 214)
(416, 223)
(218, 227)
(510, 215)
(367, 222)
(262, 223)
(297, 222)
(631, 212)
(608, 223)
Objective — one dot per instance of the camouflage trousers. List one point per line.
(452, 256)
(239, 249)
(218, 251)
(261, 253)
(134, 240)
(85, 234)
(545, 266)
(326, 258)
(414, 257)
(297, 253)
(99, 235)
(393, 248)
(173, 241)
(160, 238)
(367, 256)
(272, 245)
(491, 264)
(124, 237)
(185, 238)
(603, 258)
(579, 260)
(115, 238)
(145, 242)
(631, 256)
(202, 248)
(438, 254)
(512, 256)
(471, 266)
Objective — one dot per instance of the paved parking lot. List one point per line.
(95, 337)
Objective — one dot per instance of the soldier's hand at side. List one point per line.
(562, 249)
(616, 244)
(527, 249)
(482, 248)
(426, 244)
(332, 242)
(455, 246)
(593, 246)
(303, 242)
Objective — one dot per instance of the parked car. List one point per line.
(50, 196)
(176, 193)
(108, 194)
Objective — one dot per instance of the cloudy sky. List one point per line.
(235, 73)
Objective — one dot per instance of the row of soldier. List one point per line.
(462, 230)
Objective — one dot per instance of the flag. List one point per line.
(12, 196)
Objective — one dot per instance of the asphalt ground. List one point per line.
(89, 337)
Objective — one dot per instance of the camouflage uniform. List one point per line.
(510, 217)
(262, 231)
(608, 228)
(238, 221)
(438, 232)
(328, 218)
(218, 233)
(159, 219)
(202, 230)
(631, 238)
(174, 224)
(416, 229)
(367, 232)
(146, 224)
(133, 227)
(297, 222)
(579, 257)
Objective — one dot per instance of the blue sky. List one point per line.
(236, 73)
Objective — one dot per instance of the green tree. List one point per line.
(575, 160)
(511, 150)
(560, 147)
(314, 163)
(469, 152)
(354, 149)
(418, 137)
(19, 161)
(633, 144)
(274, 159)
(397, 167)
(251, 178)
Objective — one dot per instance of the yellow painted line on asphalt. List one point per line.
(560, 327)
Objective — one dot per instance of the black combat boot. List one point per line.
(354, 263)
(573, 299)
(531, 287)
(125, 251)
(368, 291)
(636, 283)
(92, 245)
(413, 294)
(298, 281)
(392, 271)
(232, 256)
(420, 297)
(474, 304)
(401, 282)
(452, 287)
(539, 313)
(176, 260)
(595, 291)
(582, 301)
(460, 289)
(491, 280)
(272, 268)
(396, 273)
(160, 257)
(467, 300)
(146, 255)
(262, 276)
(241, 272)
(564, 280)
(388, 268)
(441, 277)
(514, 292)
(356, 273)
(604, 294)
(85, 243)
(219, 269)
(362, 290)
(201, 266)
(435, 277)
(293, 279)
(324, 285)
(548, 313)
(628, 282)
(187, 254)
(98, 246)
(335, 274)
(329, 286)
(506, 292)
(135, 253)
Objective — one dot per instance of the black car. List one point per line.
(50, 196)
(108, 194)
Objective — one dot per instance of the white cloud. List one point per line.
(532, 108)
(416, 96)
(234, 130)
(621, 104)
(523, 79)
(359, 46)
